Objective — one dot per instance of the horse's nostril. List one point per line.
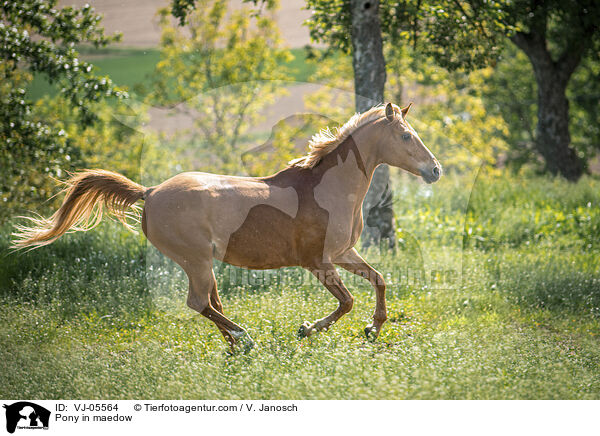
(436, 171)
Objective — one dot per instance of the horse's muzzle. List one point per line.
(431, 175)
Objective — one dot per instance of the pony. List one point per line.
(308, 215)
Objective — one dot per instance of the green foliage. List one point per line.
(133, 68)
(467, 35)
(41, 38)
(97, 262)
(510, 91)
(548, 282)
(330, 23)
(336, 99)
(181, 9)
(462, 34)
(37, 37)
(568, 26)
(556, 36)
(451, 115)
(486, 116)
(455, 34)
(223, 73)
(108, 143)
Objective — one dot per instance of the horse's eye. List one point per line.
(406, 136)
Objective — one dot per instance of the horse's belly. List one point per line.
(266, 239)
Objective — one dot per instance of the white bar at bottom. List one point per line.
(239, 417)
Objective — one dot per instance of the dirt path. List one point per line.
(136, 19)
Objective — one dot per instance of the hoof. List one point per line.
(241, 348)
(243, 344)
(304, 330)
(371, 333)
(247, 345)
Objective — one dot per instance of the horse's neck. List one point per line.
(346, 171)
(343, 174)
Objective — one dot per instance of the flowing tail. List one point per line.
(86, 194)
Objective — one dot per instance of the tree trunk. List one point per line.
(552, 134)
(553, 140)
(369, 81)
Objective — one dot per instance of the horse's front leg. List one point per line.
(327, 275)
(353, 262)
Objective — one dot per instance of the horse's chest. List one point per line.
(353, 230)
(343, 233)
(357, 227)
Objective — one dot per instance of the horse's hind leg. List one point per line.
(215, 302)
(239, 336)
(201, 298)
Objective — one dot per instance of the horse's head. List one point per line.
(401, 146)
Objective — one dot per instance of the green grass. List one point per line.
(300, 69)
(133, 68)
(105, 316)
(126, 67)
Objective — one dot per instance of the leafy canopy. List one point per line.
(455, 33)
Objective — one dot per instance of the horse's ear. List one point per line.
(389, 111)
(405, 110)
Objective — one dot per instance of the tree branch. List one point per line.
(534, 46)
(569, 60)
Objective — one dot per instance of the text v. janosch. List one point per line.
(278, 408)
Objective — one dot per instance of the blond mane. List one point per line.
(325, 141)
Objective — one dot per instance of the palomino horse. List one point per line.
(308, 215)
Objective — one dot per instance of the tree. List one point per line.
(37, 37)
(555, 36)
(511, 92)
(584, 109)
(221, 71)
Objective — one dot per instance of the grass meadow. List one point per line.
(100, 315)
(133, 68)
